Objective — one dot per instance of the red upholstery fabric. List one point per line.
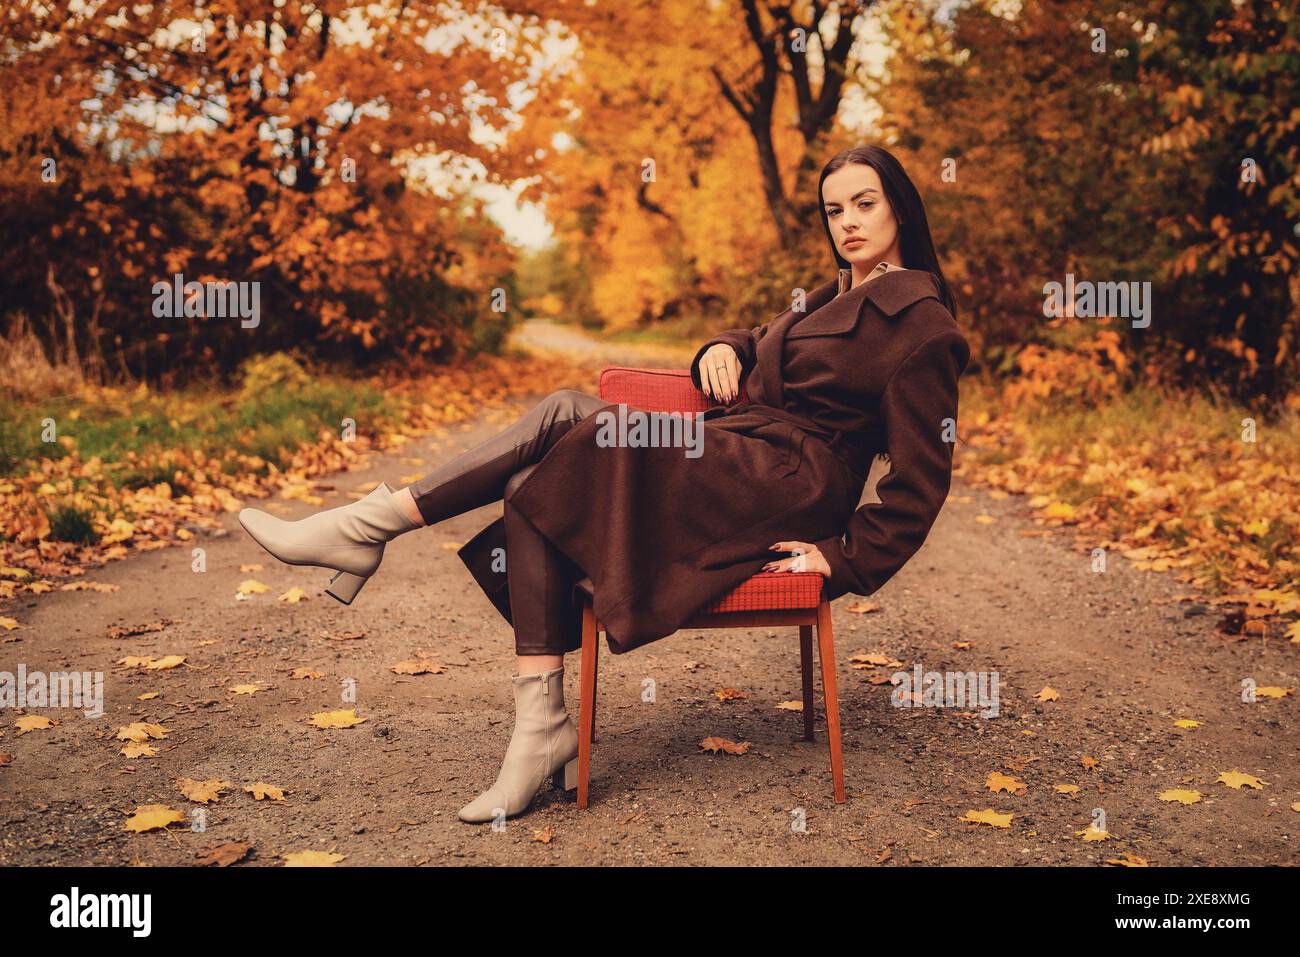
(671, 390)
(655, 390)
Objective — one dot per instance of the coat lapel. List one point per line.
(831, 313)
(891, 293)
(769, 347)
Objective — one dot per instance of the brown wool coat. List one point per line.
(829, 386)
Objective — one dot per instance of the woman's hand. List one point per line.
(720, 373)
(806, 558)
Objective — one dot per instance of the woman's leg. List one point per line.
(350, 539)
(545, 741)
(479, 475)
(540, 583)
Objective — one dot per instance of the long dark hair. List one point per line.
(914, 229)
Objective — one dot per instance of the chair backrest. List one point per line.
(655, 390)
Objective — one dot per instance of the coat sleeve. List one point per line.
(744, 341)
(919, 413)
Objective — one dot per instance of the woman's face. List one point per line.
(862, 222)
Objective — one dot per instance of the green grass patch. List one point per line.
(131, 432)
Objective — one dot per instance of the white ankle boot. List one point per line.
(349, 539)
(544, 744)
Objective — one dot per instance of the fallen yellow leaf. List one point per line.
(343, 718)
(1237, 780)
(311, 859)
(987, 816)
(262, 790)
(152, 817)
(202, 792)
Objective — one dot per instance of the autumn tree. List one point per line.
(1107, 141)
(301, 146)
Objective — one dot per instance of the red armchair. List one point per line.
(765, 600)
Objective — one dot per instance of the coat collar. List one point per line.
(891, 293)
(829, 314)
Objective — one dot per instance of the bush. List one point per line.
(275, 373)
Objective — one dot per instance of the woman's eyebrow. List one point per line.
(856, 195)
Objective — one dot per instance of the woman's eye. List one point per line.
(866, 204)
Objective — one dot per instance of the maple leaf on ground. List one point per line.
(141, 731)
(312, 859)
(543, 835)
(165, 663)
(294, 595)
(150, 817)
(418, 667)
(202, 792)
(262, 791)
(874, 659)
(244, 689)
(1092, 834)
(1048, 694)
(223, 855)
(997, 781)
(790, 706)
(1181, 795)
(135, 750)
(1128, 860)
(33, 722)
(130, 631)
(1237, 780)
(862, 607)
(987, 816)
(714, 745)
(729, 694)
(342, 718)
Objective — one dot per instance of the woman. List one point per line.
(864, 363)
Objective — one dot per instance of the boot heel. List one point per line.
(345, 587)
(567, 777)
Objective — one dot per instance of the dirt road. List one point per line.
(1126, 660)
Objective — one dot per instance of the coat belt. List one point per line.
(851, 448)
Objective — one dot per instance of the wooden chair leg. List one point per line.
(806, 660)
(587, 705)
(595, 682)
(826, 651)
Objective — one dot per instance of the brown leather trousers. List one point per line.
(541, 578)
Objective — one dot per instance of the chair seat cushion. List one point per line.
(766, 591)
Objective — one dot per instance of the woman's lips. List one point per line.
(850, 243)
